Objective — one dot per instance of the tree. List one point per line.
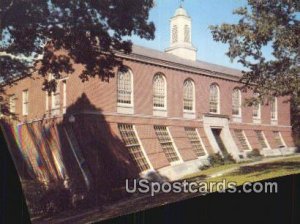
(266, 24)
(90, 31)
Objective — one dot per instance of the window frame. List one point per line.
(148, 164)
(245, 138)
(122, 104)
(199, 139)
(275, 108)
(165, 101)
(258, 117)
(193, 100)
(280, 139)
(25, 102)
(174, 34)
(187, 34)
(218, 106)
(239, 103)
(12, 101)
(171, 141)
(264, 139)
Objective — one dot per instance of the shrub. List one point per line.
(44, 201)
(254, 153)
(216, 159)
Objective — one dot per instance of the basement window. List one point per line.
(133, 145)
(240, 135)
(195, 140)
(166, 143)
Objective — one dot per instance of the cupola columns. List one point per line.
(181, 36)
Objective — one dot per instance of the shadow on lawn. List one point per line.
(265, 168)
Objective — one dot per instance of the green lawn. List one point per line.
(247, 173)
(212, 170)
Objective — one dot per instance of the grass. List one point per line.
(212, 170)
(263, 171)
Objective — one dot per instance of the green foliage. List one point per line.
(264, 24)
(216, 159)
(254, 154)
(90, 31)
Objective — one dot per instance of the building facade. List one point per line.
(165, 115)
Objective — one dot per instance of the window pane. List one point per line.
(159, 91)
(166, 143)
(132, 144)
(261, 139)
(236, 102)
(195, 141)
(273, 105)
(25, 102)
(124, 87)
(278, 139)
(188, 95)
(174, 34)
(242, 139)
(186, 34)
(214, 99)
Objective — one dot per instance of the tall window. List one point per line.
(55, 101)
(12, 104)
(25, 102)
(261, 139)
(174, 34)
(236, 102)
(195, 141)
(241, 137)
(133, 145)
(188, 95)
(125, 87)
(166, 143)
(273, 104)
(186, 33)
(214, 99)
(64, 96)
(159, 91)
(256, 109)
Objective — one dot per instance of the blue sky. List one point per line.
(203, 14)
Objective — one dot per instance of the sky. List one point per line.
(203, 13)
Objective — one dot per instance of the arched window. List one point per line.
(188, 95)
(236, 102)
(186, 33)
(174, 34)
(256, 108)
(159, 91)
(273, 104)
(214, 99)
(125, 87)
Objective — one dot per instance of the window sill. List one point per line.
(189, 114)
(274, 122)
(160, 112)
(176, 162)
(256, 120)
(125, 109)
(237, 119)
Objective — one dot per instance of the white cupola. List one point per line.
(180, 35)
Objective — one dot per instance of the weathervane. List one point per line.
(180, 3)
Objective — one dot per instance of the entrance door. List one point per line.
(217, 134)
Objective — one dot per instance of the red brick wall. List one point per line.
(101, 96)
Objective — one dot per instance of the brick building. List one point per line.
(165, 115)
